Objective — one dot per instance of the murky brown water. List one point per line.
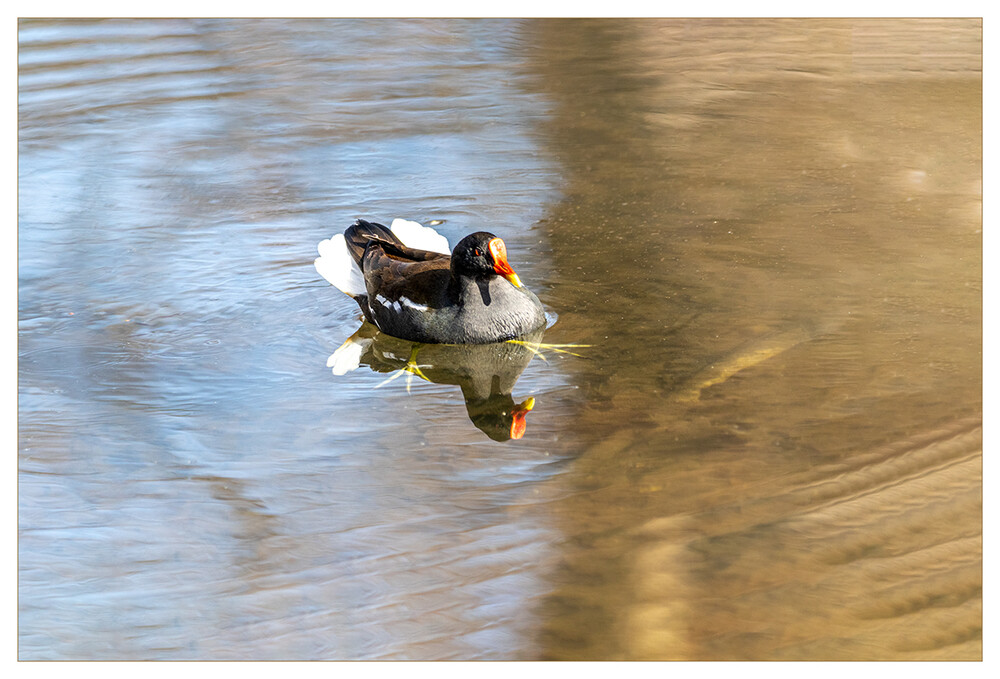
(769, 232)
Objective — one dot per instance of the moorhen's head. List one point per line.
(499, 417)
(482, 254)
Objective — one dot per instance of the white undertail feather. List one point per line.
(336, 265)
(347, 357)
(420, 237)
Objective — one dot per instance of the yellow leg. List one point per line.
(410, 369)
(536, 348)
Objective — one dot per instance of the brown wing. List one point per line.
(403, 253)
(362, 233)
(395, 271)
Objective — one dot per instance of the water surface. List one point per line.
(768, 233)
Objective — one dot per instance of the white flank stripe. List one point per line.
(387, 304)
(407, 302)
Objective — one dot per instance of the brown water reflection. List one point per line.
(775, 228)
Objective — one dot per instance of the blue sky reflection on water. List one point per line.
(194, 483)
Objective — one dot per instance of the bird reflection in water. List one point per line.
(486, 373)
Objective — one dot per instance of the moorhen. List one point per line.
(408, 286)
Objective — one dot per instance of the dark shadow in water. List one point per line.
(486, 373)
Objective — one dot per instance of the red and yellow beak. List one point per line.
(498, 249)
(519, 424)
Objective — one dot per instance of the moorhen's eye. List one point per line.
(477, 252)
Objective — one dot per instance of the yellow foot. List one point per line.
(410, 369)
(538, 347)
